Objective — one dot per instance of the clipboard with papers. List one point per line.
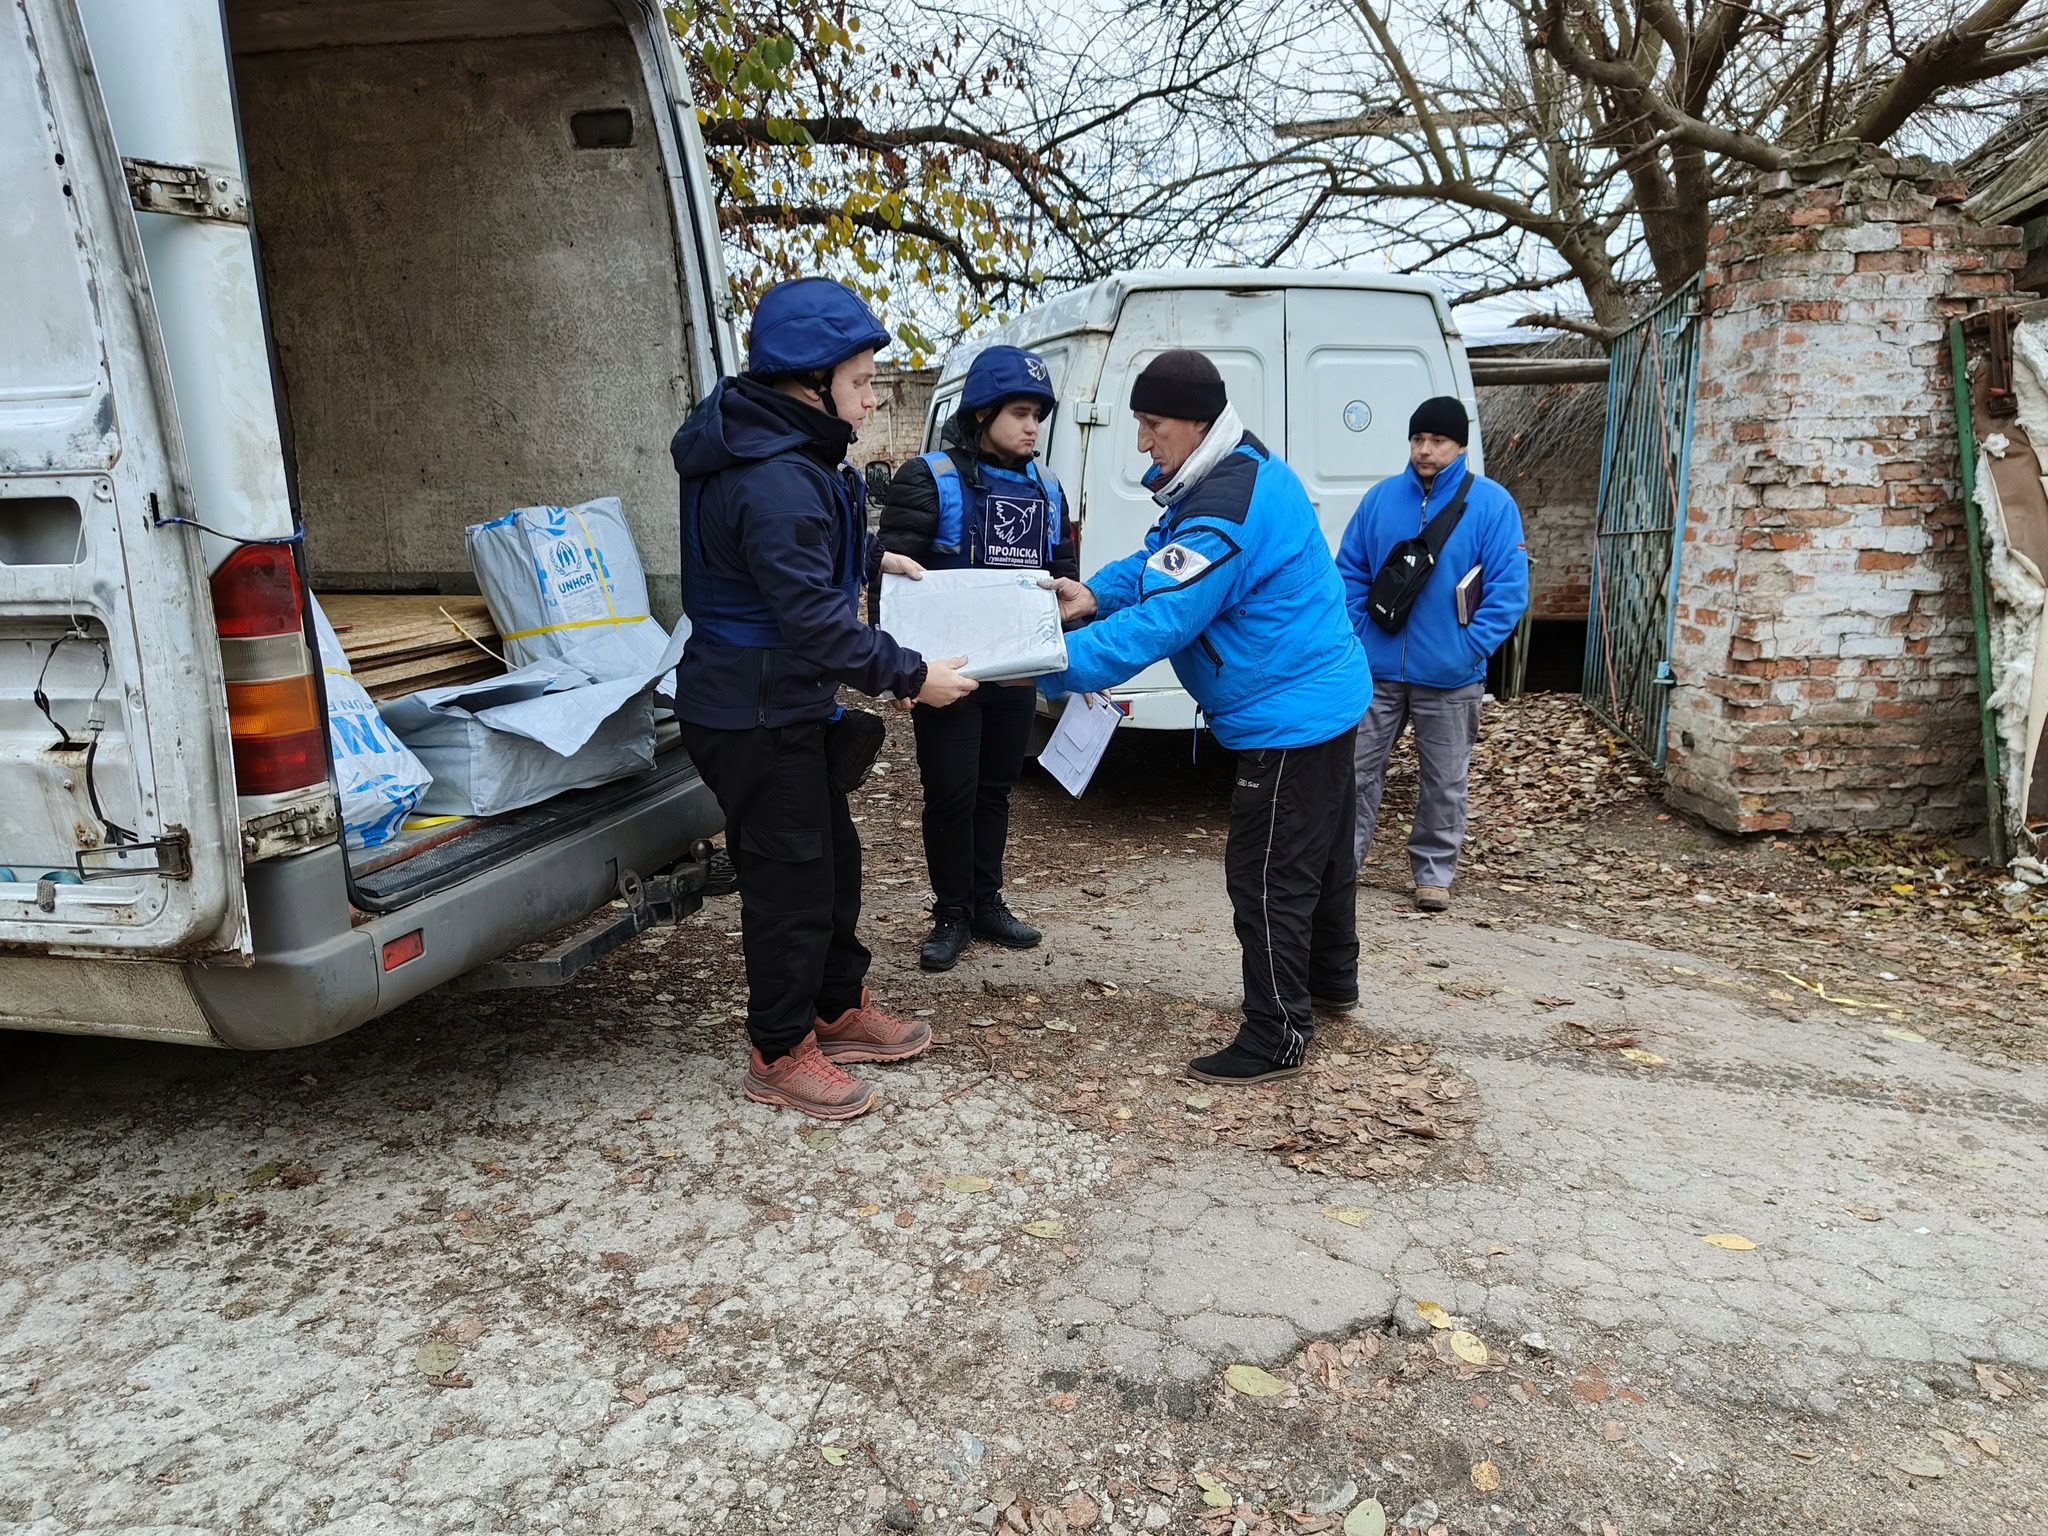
(1079, 740)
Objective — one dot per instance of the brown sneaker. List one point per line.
(868, 1034)
(1432, 898)
(806, 1082)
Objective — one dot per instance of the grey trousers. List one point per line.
(1446, 722)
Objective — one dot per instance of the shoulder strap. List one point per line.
(1055, 497)
(951, 534)
(1445, 523)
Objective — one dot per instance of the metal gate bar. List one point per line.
(1640, 530)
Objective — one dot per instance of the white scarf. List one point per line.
(1225, 433)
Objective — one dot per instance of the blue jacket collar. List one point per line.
(1447, 478)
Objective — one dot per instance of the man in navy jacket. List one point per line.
(775, 551)
(1235, 584)
(1432, 672)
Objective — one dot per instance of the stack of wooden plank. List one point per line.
(402, 642)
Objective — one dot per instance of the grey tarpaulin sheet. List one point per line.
(1003, 622)
(513, 741)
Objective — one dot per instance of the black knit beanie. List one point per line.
(1182, 384)
(1443, 415)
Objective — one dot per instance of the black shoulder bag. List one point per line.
(1409, 565)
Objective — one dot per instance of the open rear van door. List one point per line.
(119, 827)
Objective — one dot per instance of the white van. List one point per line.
(1323, 367)
(375, 269)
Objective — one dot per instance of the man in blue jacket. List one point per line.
(1235, 585)
(775, 551)
(1431, 670)
(979, 502)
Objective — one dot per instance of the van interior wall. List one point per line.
(472, 313)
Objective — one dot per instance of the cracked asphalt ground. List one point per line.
(528, 1263)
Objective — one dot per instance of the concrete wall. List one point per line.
(472, 313)
(1825, 656)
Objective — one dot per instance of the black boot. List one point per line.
(998, 923)
(1235, 1064)
(721, 879)
(941, 951)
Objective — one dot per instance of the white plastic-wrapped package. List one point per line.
(1003, 622)
(566, 583)
(380, 779)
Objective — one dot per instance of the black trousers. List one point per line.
(1293, 878)
(797, 856)
(969, 755)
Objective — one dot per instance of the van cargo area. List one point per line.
(464, 221)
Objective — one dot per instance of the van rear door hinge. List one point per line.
(1086, 412)
(192, 191)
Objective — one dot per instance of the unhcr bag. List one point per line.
(1409, 564)
(566, 584)
(379, 777)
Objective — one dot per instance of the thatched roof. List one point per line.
(1536, 429)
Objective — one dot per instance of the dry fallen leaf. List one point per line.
(968, 1184)
(1214, 1494)
(1433, 1314)
(1612, 1431)
(1253, 1382)
(636, 1395)
(437, 1357)
(870, 1209)
(1082, 1512)
(1485, 1476)
(1200, 1100)
(1989, 1446)
(1734, 1242)
(1996, 1384)
(1349, 1215)
(1368, 1519)
(835, 1456)
(1647, 1058)
(1864, 1213)
(1921, 1464)
(1468, 1347)
(905, 1219)
(1045, 1228)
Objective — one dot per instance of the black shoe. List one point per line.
(1235, 1064)
(723, 879)
(1000, 925)
(941, 951)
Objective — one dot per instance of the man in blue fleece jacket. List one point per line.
(1235, 584)
(1431, 671)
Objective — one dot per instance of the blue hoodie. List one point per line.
(1433, 648)
(775, 551)
(1234, 583)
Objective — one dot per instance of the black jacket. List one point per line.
(775, 510)
(910, 512)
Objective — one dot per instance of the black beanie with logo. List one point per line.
(1182, 384)
(1443, 416)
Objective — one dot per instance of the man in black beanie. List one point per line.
(1429, 663)
(1235, 584)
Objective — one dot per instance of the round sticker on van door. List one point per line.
(1358, 415)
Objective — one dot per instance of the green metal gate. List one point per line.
(1640, 529)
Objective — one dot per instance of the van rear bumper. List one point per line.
(316, 976)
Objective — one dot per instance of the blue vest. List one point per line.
(1010, 520)
(728, 609)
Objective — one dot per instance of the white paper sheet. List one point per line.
(1079, 740)
(1003, 622)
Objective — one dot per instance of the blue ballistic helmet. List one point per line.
(1007, 373)
(810, 325)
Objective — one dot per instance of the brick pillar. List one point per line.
(1824, 655)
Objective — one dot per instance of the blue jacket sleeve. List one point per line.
(1504, 559)
(1171, 607)
(1116, 585)
(789, 527)
(1354, 564)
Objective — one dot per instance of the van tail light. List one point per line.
(273, 710)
